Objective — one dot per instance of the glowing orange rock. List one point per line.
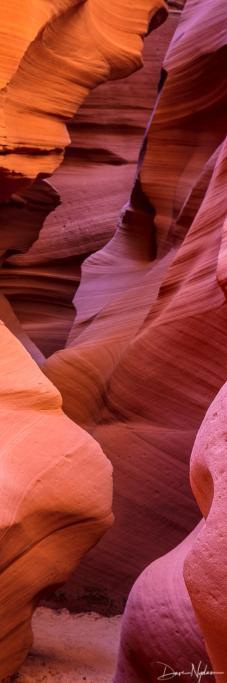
(74, 46)
(56, 490)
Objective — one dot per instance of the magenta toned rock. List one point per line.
(124, 311)
(159, 633)
(151, 314)
(205, 564)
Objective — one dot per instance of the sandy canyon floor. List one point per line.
(71, 648)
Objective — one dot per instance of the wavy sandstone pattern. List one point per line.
(146, 353)
(159, 624)
(151, 314)
(57, 503)
(83, 43)
(41, 281)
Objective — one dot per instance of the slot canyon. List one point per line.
(113, 341)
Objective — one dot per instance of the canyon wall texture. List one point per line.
(114, 318)
(56, 483)
(151, 313)
(56, 490)
(160, 634)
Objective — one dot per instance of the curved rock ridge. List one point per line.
(183, 132)
(71, 48)
(56, 493)
(20, 24)
(145, 355)
(41, 268)
(160, 634)
(205, 564)
(151, 313)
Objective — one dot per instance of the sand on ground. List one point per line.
(71, 648)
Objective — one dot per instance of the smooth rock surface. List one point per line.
(147, 351)
(56, 495)
(205, 564)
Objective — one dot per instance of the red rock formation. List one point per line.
(55, 495)
(151, 315)
(159, 625)
(56, 482)
(205, 564)
(159, 634)
(146, 353)
(40, 283)
(63, 49)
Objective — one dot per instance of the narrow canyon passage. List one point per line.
(113, 341)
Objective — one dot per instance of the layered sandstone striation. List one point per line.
(56, 482)
(151, 312)
(129, 324)
(62, 50)
(62, 221)
(162, 633)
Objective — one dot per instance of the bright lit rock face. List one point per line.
(56, 487)
(59, 52)
(56, 483)
(122, 311)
